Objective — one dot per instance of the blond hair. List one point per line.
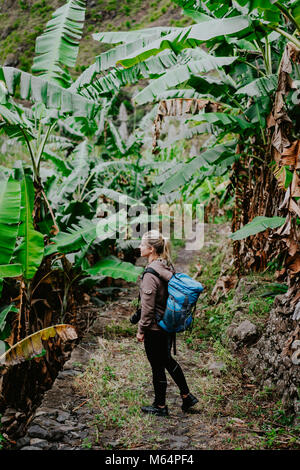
(161, 245)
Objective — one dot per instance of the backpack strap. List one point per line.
(152, 271)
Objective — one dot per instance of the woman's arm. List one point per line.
(148, 295)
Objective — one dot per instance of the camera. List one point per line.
(136, 316)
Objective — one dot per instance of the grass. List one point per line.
(116, 383)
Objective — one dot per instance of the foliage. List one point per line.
(258, 224)
(32, 345)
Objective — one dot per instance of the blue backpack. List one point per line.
(181, 303)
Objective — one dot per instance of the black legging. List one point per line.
(158, 350)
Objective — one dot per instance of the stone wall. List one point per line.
(272, 361)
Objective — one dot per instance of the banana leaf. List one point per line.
(3, 314)
(37, 89)
(58, 162)
(113, 37)
(258, 224)
(78, 175)
(213, 156)
(31, 250)
(114, 267)
(32, 345)
(117, 196)
(118, 77)
(180, 74)
(11, 270)
(58, 45)
(86, 232)
(222, 120)
(73, 240)
(190, 36)
(10, 201)
(260, 86)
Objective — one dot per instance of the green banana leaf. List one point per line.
(73, 240)
(10, 200)
(79, 174)
(86, 232)
(59, 43)
(180, 74)
(190, 36)
(113, 37)
(3, 314)
(30, 252)
(109, 226)
(118, 77)
(258, 224)
(37, 89)
(213, 156)
(221, 119)
(58, 162)
(11, 270)
(260, 86)
(114, 267)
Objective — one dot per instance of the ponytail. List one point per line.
(161, 245)
(166, 254)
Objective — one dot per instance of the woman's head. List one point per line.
(154, 244)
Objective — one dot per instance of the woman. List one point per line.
(154, 293)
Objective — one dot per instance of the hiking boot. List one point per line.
(155, 410)
(188, 402)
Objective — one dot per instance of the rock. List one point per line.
(296, 344)
(20, 416)
(55, 434)
(11, 60)
(37, 431)
(68, 373)
(41, 443)
(62, 416)
(10, 411)
(216, 368)
(12, 427)
(46, 411)
(22, 442)
(246, 332)
(30, 448)
(6, 420)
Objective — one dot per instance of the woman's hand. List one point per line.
(140, 337)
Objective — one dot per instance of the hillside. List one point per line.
(23, 20)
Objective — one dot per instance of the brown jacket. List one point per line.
(154, 294)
